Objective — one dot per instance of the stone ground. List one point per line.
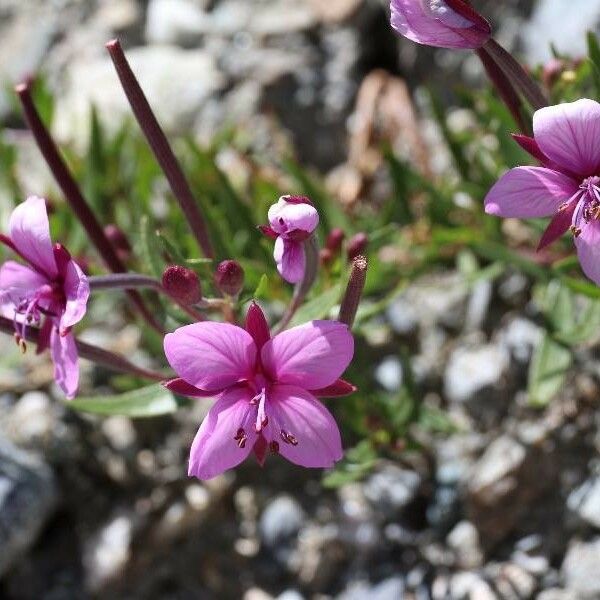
(507, 508)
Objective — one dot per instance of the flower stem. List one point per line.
(92, 353)
(504, 88)
(516, 74)
(129, 281)
(160, 146)
(311, 249)
(73, 194)
(356, 284)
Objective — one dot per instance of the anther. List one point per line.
(288, 438)
(274, 447)
(240, 437)
(576, 231)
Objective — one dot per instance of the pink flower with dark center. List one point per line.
(440, 23)
(266, 390)
(566, 187)
(51, 290)
(292, 220)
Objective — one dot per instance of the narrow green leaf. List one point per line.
(319, 307)
(150, 401)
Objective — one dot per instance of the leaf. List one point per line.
(594, 55)
(150, 401)
(262, 288)
(319, 307)
(149, 248)
(547, 371)
(353, 467)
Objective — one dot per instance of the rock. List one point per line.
(502, 485)
(471, 585)
(176, 82)
(473, 372)
(585, 501)
(464, 540)
(281, 521)
(28, 497)
(389, 373)
(175, 22)
(334, 11)
(557, 594)
(392, 489)
(511, 581)
(290, 595)
(520, 336)
(580, 569)
(478, 306)
(388, 589)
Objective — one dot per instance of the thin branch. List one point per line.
(160, 146)
(73, 194)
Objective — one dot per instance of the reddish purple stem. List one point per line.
(73, 194)
(356, 284)
(160, 146)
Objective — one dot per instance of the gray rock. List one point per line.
(472, 371)
(464, 540)
(281, 521)
(389, 373)
(392, 488)
(388, 589)
(580, 569)
(520, 336)
(175, 22)
(290, 595)
(471, 586)
(585, 501)
(28, 496)
(557, 594)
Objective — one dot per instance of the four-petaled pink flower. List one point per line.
(567, 143)
(440, 23)
(51, 287)
(292, 220)
(266, 389)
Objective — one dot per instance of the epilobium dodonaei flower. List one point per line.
(50, 288)
(182, 284)
(292, 220)
(229, 277)
(266, 390)
(440, 23)
(567, 187)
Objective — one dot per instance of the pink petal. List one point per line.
(311, 356)
(43, 342)
(569, 134)
(77, 292)
(336, 390)
(66, 362)
(257, 326)
(30, 233)
(290, 259)
(211, 356)
(303, 428)
(19, 281)
(286, 217)
(215, 448)
(183, 388)
(436, 24)
(527, 192)
(560, 224)
(588, 249)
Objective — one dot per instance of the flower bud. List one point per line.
(552, 71)
(183, 284)
(229, 277)
(325, 256)
(118, 240)
(335, 239)
(356, 245)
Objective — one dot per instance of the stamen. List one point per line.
(261, 415)
(576, 231)
(288, 438)
(274, 447)
(241, 438)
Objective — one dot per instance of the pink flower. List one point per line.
(266, 390)
(440, 23)
(51, 287)
(292, 220)
(567, 187)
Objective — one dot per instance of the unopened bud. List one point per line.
(552, 71)
(183, 284)
(325, 256)
(357, 245)
(335, 239)
(229, 277)
(118, 241)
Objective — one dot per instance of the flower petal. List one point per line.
(30, 233)
(303, 428)
(66, 362)
(588, 249)
(19, 281)
(527, 192)
(211, 356)
(436, 24)
(560, 224)
(569, 134)
(77, 292)
(183, 388)
(285, 217)
(312, 356)
(337, 389)
(257, 326)
(290, 259)
(215, 448)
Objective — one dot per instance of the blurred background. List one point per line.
(455, 486)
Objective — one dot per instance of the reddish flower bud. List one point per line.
(118, 240)
(325, 256)
(357, 245)
(229, 277)
(183, 284)
(553, 69)
(335, 239)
